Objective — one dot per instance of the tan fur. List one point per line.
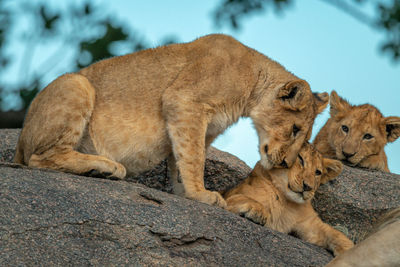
(334, 142)
(380, 249)
(279, 199)
(128, 113)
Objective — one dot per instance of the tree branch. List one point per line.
(353, 12)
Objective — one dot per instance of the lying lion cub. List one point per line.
(381, 248)
(281, 199)
(357, 134)
(127, 114)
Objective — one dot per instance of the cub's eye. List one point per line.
(301, 161)
(367, 136)
(318, 172)
(296, 129)
(345, 128)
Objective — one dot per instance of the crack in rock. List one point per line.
(149, 196)
(185, 240)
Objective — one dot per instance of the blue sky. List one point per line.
(312, 39)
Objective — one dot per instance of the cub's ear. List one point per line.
(321, 99)
(392, 128)
(333, 169)
(293, 95)
(338, 104)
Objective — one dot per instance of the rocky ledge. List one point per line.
(54, 218)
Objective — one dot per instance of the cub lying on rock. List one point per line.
(281, 199)
(126, 114)
(357, 134)
(381, 247)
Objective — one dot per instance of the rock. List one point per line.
(54, 218)
(222, 171)
(8, 142)
(354, 200)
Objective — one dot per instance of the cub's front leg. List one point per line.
(376, 162)
(249, 208)
(177, 186)
(315, 231)
(187, 126)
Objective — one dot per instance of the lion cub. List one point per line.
(281, 199)
(380, 248)
(127, 114)
(357, 134)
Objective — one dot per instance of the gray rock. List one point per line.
(8, 142)
(53, 218)
(222, 171)
(354, 200)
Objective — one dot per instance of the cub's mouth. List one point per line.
(283, 164)
(267, 163)
(273, 159)
(277, 164)
(300, 193)
(295, 195)
(349, 163)
(299, 196)
(351, 160)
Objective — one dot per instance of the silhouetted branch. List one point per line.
(352, 11)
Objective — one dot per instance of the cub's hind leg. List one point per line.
(68, 160)
(54, 126)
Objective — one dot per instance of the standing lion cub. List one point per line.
(357, 134)
(281, 199)
(128, 113)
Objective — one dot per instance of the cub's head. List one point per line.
(358, 132)
(308, 172)
(283, 120)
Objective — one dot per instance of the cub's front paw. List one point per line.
(208, 197)
(109, 170)
(254, 213)
(256, 216)
(119, 171)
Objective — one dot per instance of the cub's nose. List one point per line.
(306, 187)
(347, 155)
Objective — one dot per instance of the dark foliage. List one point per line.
(389, 20)
(233, 11)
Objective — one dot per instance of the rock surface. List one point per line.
(356, 199)
(53, 218)
(49, 217)
(8, 142)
